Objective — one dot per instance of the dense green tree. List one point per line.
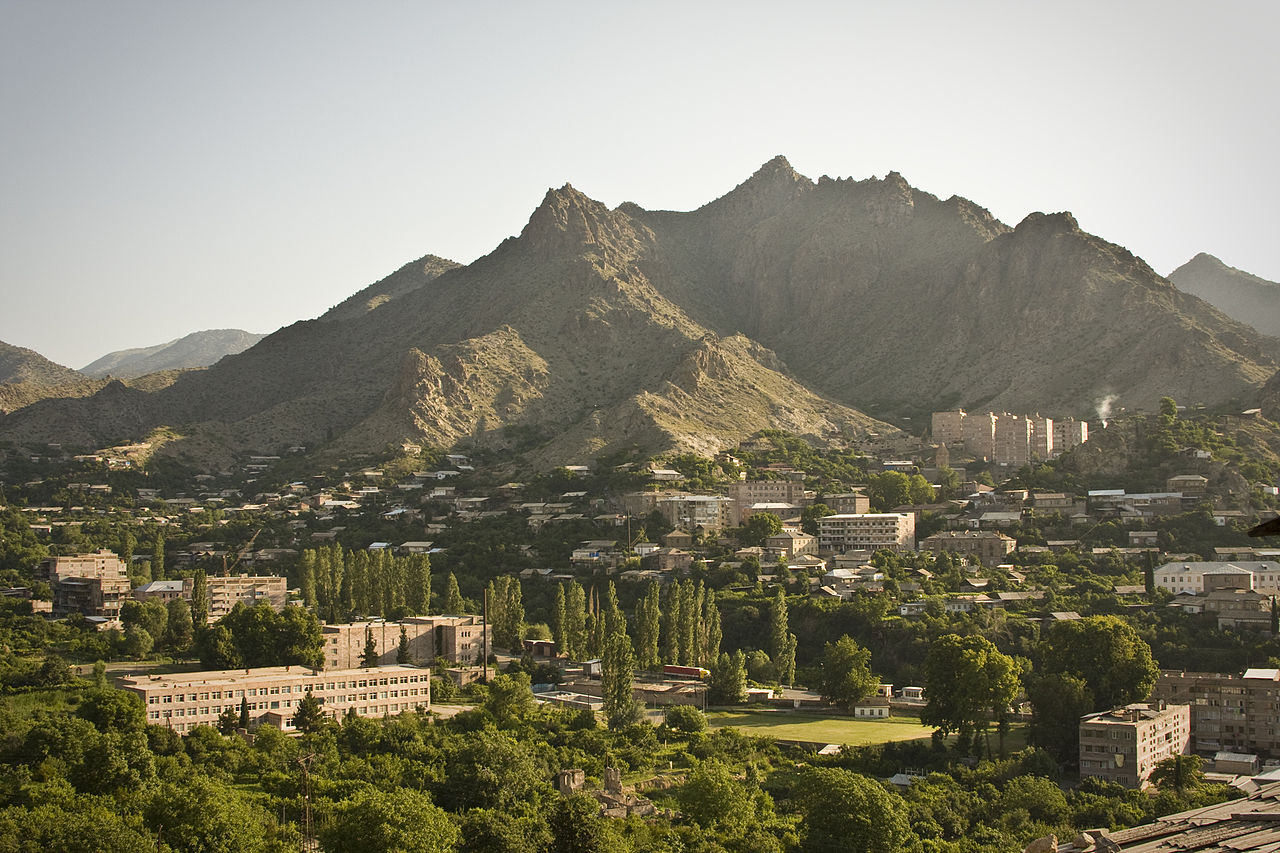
(377, 821)
(713, 797)
(809, 517)
(1107, 653)
(510, 697)
(849, 811)
(758, 528)
(309, 717)
(919, 491)
(671, 621)
(1059, 701)
(685, 718)
(418, 579)
(307, 578)
(728, 682)
(577, 827)
(179, 628)
(369, 657)
(888, 489)
(846, 676)
(968, 681)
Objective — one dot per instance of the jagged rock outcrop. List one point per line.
(1236, 293)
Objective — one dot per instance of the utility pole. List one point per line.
(308, 830)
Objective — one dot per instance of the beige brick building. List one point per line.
(226, 592)
(1125, 744)
(457, 639)
(182, 701)
(988, 545)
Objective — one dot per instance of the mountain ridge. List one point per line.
(784, 301)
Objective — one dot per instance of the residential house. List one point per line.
(1125, 744)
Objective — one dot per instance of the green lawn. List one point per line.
(817, 728)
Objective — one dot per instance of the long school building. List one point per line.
(182, 701)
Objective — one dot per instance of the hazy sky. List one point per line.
(179, 165)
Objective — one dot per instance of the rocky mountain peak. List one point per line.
(1048, 223)
(569, 221)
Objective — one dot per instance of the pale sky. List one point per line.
(179, 165)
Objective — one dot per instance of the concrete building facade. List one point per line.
(895, 531)
(1125, 744)
(1237, 713)
(458, 639)
(988, 545)
(183, 701)
(92, 584)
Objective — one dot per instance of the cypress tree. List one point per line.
(403, 654)
(370, 657)
(617, 669)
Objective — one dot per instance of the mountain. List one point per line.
(1236, 293)
(27, 377)
(786, 303)
(198, 349)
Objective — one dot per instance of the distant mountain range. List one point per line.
(786, 303)
(198, 349)
(1236, 293)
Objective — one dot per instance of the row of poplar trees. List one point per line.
(681, 626)
(359, 584)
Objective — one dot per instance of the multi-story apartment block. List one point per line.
(1042, 446)
(1014, 440)
(1262, 576)
(854, 502)
(456, 638)
(842, 532)
(1069, 433)
(1188, 485)
(948, 427)
(751, 492)
(991, 547)
(182, 701)
(226, 592)
(1232, 713)
(980, 435)
(1124, 745)
(689, 512)
(92, 584)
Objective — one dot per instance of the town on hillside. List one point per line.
(1049, 602)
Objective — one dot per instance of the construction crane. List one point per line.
(226, 570)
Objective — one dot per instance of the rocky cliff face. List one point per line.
(1236, 293)
(787, 302)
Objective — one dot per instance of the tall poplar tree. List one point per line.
(418, 575)
(782, 643)
(307, 576)
(199, 600)
(157, 559)
(575, 622)
(360, 584)
(711, 626)
(557, 621)
(648, 623)
(453, 603)
(617, 669)
(671, 626)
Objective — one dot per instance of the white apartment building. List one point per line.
(895, 531)
(1262, 576)
(182, 701)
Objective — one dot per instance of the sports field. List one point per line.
(815, 728)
